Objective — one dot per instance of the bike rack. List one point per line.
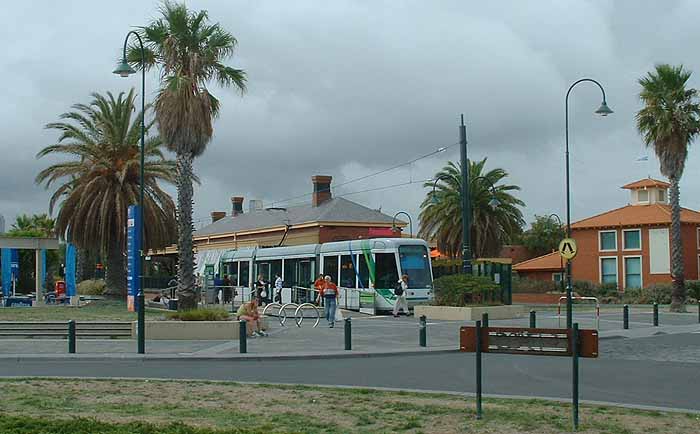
(597, 308)
(283, 311)
(299, 319)
(264, 312)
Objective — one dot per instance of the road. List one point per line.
(637, 382)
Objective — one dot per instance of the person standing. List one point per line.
(278, 289)
(318, 285)
(261, 290)
(329, 292)
(400, 293)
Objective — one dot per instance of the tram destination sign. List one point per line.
(529, 341)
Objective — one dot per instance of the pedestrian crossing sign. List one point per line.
(568, 248)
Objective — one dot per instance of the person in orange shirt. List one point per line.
(319, 283)
(329, 293)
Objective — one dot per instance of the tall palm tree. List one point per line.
(441, 212)
(100, 179)
(189, 52)
(669, 122)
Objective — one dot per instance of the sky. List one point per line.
(349, 88)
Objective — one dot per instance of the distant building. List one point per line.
(627, 246)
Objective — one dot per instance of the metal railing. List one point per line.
(597, 308)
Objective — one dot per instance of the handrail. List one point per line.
(299, 319)
(597, 308)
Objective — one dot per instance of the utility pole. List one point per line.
(466, 202)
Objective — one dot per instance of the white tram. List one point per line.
(366, 271)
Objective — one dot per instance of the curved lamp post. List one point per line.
(603, 110)
(410, 221)
(125, 70)
(561, 260)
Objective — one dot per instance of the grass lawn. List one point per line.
(172, 407)
(106, 310)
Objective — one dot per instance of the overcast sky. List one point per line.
(347, 88)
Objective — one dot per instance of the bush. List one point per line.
(534, 286)
(200, 315)
(693, 288)
(91, 287)
(586, 288)
(655, 293)
(462, 290)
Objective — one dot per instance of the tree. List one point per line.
(669, 122)
(441, 212)
(543, 236)
(189, 52)
(101, 179)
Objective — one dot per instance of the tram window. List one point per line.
(364, 271)
(330, 267)
(306, 276)
(414, 263)
(290, 272)
(233, 273)
(275, 269)
(386, 274)
(245, 269)
(347, 272)
(262, 269)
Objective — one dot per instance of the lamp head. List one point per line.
(494, 203)
(434, 199)
(123, 69)
(603, 110)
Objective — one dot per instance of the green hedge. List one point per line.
(534, 286)
(200, 315)
(91, 287)
(463, 290)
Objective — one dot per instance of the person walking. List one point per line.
(318, 285)
(400, 293)
(278, 289)
(329, 292)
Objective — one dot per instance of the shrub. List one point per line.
(200, 315)
(534, 286)
(91, 287)
(462, 290)
(655, 293)
(693, 288)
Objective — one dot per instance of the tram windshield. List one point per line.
(415, 263)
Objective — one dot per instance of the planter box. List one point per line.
(190, 330)
(469, 313)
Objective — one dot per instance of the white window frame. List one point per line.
(661, 192)
(600, 241)
(623, 239)
(648, 196)
(561, 276)
(624, 270)
(600, 270)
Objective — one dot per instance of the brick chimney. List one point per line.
(236, 205)
(322, 189)
(217, 215)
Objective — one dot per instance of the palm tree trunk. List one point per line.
(80, 264)
(185, 271)
(115, 275)
(678, 288)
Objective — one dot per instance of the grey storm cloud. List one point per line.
(347, 88)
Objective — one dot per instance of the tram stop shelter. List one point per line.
(27, 243)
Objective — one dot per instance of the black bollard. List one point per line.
(423, 332)
(626, 317)
(485, 320)
(348, 334)
(71, 336)
(243, 336)
(656, 314)
(533, 319)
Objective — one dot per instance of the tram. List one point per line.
(366, 271)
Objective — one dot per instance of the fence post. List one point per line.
(478, 370)
(625, 317)
(243, 336)
(533, 319)
(71, 337)
(422, 334)
(485, 319)
(348, 334)
(656, 314)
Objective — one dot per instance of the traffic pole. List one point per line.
(574, 347)
(422, 334)
(348, 334)
(625, 317)
(243, 336)
(485, 319)
(533, 319)
(478, 370)
(71, 336)
(656, 314)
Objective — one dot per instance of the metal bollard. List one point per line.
(656, 314)
(71, 337)
(485, 320)
(422, 334)
(625, 317)
(348, 334)
(533, 319)
(243, 336)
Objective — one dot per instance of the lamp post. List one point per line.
(561, 260)
(410, 221)
(603, 110)
(124, 70)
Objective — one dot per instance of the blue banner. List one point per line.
(70, 270)
(6, 272)
(15, 264)
(133, 255)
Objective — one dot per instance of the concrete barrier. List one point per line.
(451, 313)
(190, 330)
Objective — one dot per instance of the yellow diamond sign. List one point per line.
(568, 248)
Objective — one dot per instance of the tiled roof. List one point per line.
(636, 215)
(334, 210)
(550, 261)
(646, 183)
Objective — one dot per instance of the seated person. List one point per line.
(249, 313)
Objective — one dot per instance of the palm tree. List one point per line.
(441, 212)
(189, 52)
(669, 122)
(36, 225)
(101, 179)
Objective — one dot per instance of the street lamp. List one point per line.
(561, 260)
(603, 110)
(125, 70)
(410, 221)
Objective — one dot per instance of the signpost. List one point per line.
(572, 343)
(568, 248)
